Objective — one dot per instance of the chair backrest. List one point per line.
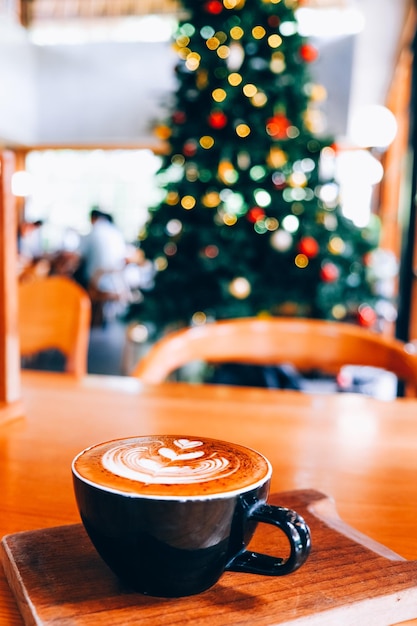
(308, 344)
(55, 313)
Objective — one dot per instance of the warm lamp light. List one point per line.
(357, 172)
(373, 126)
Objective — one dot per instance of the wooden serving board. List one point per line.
(348, 580)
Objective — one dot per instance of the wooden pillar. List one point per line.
(19, 166)
(396, 157)
(396, 210)
(10, 401)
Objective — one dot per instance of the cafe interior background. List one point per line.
(84, 83)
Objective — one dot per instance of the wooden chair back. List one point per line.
(55, 313)
(308, 344)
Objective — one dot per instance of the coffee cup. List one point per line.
(169, 514)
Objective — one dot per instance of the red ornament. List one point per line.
(309, 247)
(308, 53)
(277, 126)
(179, 117)
(366, 316)
(329, 273)
(255, 214)
(211, 251)
(273, 21)
(214, 7)
(217, 119)
(190, 148)
(170, 249)
(367, 259)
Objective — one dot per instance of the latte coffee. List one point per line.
(172, 466)
(170, 514)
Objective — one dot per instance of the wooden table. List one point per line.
(360, 451)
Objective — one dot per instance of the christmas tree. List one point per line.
(250, 222)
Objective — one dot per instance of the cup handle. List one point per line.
(297, 533)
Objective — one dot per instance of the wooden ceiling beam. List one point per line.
(38, 10)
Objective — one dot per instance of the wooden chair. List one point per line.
(55, 313)
(307, 344)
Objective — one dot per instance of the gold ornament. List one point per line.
(199, 318)
(339, 311)
(274, 41)
(336, 245)
(212, 43)
(223, 52)
(229, 219)
(259, 99)
(236, 32)
(163, 132)
(219, 95)
(258, 32)
(193, 61)
(234, 79)
(250, 90)
(301, 261)
(242, 130)
(277, 158)
(161, 263)
(227, 173)
(188, 202)
(211, 199)
(202, 79)
(318, 93)
(277, 64)
(271, 223)
(234, 4)
(206, 142)
(172, 198)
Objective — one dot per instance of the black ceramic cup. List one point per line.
(169, 514)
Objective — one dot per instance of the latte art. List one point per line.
(171, 467)
(183, 462)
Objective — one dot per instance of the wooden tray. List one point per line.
(59, 580)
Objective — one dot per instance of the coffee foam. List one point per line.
(172, 466)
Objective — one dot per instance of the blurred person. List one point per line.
(30, 244)
(103, 252)
(103, 258)
(33, 262)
